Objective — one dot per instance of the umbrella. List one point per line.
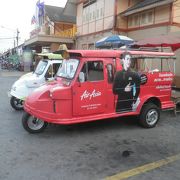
(160, 41)
(114, 41)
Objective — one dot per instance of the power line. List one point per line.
(8, 28)
(2, 38)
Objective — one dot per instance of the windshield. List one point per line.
(68, 68)
(41, 67)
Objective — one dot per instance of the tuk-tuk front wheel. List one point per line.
(16, 103)
(33, 124)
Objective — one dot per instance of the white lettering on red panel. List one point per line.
(91, 95)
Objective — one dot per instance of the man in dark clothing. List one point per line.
(127, 86)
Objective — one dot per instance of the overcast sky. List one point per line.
(17, 14)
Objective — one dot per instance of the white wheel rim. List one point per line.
(35, 123)
(152, 117)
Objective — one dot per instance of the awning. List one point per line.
(145, 5)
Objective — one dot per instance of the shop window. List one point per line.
(130, 20)
(150, 17)
(133, 21)
(136, 20)
(102, 13)
(146, 18)
(143, 18)
(97, 15)
(94, 16)
(84, 16)
(91, 46)
(90, 16)
(84, 46)
(87, 17)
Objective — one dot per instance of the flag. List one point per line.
(40, 6)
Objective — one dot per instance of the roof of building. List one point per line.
(55, 14)
(70, 8)
(145, 4)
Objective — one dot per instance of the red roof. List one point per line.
(115, 53)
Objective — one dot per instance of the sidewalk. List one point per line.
(7, 73)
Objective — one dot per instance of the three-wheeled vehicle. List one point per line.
(45, 71)
(98, 84)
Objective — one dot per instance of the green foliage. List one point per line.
(14, 58)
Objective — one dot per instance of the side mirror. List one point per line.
(48, 77)
(81, 77)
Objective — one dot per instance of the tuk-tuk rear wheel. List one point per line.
(33, 124)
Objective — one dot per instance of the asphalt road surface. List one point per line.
(106, 149)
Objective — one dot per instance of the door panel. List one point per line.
(110, 97)
(89, 97)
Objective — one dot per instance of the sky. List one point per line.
(17, 14)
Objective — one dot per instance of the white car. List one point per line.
(45, 71)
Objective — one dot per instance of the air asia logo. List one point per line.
(89, 95)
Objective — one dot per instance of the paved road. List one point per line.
(90, 151)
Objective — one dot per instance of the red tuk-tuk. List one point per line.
(99, 84)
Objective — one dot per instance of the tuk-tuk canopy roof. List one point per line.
(117, 53)
(50, 55)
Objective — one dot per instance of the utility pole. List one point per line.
(13, 30)
(14, 43)
(17, 37)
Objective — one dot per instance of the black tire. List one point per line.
(149, 116)
(16, 103)
(32, 124)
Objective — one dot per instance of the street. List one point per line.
(90, 151)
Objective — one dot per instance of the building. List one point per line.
(150, 18)
(95, 20)
(136, 19)
(133, 18)
(51, 28)
(139, 18)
